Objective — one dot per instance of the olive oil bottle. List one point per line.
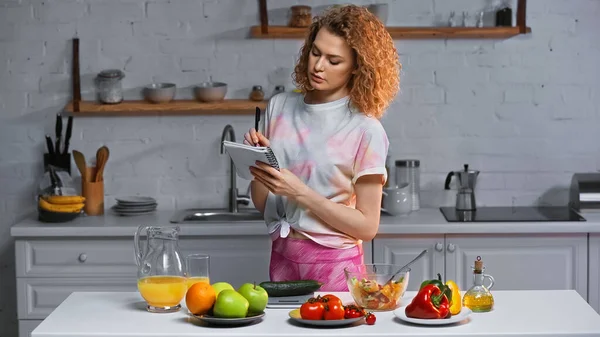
(479, 298)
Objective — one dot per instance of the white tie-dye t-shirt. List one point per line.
(328, 146)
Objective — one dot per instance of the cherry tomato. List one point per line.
(329, 298)
(352, 311)
(333, 311)
(312, 309)
(370, 319)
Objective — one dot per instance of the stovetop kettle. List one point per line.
(466, 180)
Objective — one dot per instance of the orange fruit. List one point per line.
(200, 298)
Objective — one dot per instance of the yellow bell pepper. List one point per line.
(456, 304)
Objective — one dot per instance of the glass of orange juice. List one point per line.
(197, 266)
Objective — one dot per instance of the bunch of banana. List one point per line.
(62, 203)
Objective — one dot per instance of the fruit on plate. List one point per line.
(291, 288)
(353, 311)
(200, 298)
(257, 297)
(456, 300)
(431, 302)
(60, 208)
(440, 284)
(230, 304)
(333, 310)
(312, 309)
(64, 199)
(220, 286)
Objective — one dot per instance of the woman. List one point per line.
(332, 148)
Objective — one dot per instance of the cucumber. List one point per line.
(290, 288)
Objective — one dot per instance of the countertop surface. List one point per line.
(516, 313)
(424, 221)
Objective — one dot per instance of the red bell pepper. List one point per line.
(431, 302)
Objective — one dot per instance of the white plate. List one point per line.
(462, 315)
(136, 200)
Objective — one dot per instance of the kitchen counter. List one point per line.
(516, 313)
(425, 221)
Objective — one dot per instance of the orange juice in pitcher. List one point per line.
(163, 291)
(162, 279)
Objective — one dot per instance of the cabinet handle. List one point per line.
(439, 246)
(82, 257)
(451, 247)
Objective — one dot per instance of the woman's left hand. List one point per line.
(282, 182)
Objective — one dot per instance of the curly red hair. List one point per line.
(377, 78)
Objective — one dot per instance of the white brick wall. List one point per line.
(522, 110)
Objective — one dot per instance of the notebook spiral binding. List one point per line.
(272, 159)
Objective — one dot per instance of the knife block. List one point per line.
(93, 192)
(61, 160)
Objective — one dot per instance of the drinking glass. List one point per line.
(197, 266)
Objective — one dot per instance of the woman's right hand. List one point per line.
(255, 138)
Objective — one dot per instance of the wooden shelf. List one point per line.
(284, 32)
(176, 107)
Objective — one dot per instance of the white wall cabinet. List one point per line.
(516, 261)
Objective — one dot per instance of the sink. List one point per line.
(218, 215)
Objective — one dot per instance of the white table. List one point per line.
(516, 313)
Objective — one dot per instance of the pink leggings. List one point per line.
(297, 259)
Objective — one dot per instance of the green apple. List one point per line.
(256, 296)
(230, 304)
(220, 286)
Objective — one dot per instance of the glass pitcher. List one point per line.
(161, 269)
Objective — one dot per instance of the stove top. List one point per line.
(512, 214)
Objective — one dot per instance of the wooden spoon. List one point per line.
(101, 158)
(80, 161)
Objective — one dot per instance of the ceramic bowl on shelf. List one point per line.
(368, 287)
(210, 91)
(160, 92)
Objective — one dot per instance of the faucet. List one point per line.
(234, 197)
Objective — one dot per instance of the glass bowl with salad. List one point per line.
(368, 287)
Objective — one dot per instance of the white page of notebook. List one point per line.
(244, 156)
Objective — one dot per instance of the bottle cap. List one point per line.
(478, 264)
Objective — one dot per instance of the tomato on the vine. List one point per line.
(329, 298)
(352, 311)
(370, 320)
(333, 311)
(312, 309)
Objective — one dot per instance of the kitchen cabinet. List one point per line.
(594, 271)
(50, 269)
(400, 249)
(516, 261)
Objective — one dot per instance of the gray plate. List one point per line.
(138, 200)
(128, 213)
(133, 209)
(295, 315)
(229, 321)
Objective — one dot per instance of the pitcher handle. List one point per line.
(137, 245)
(489, 277)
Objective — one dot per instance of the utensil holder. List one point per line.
(61, 160)
(93, 192)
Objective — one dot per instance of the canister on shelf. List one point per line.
(301, 16)
(408, 172)
(109, 86)
(257, 93)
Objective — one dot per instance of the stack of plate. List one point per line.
(135, 205)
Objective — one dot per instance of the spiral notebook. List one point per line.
(244, 156)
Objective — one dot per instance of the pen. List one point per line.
(256, 120)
